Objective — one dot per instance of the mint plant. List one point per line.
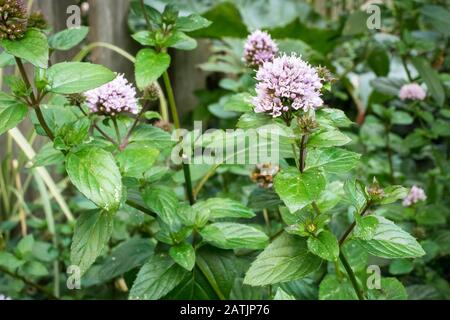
(166, 212)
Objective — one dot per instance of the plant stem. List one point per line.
(351, 275)
(171, 98)
(202, 182)
(125, 140)
(303, 150)
(96, 127)
(34, 101)
(116, 129)
(389, 154)
(24, 75)
(143, 209)
(176, 121)
(187, 176)
(302, 161)
(352, 226)
(43, 123)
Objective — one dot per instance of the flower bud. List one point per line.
(375, 192)
(13, 19)
(37, 20)
(76, 99)
(151, 93)
(170, 14)
(306, 123)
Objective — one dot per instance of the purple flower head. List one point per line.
(412, 91)
(112, 98)
(415, 195)
(259, 48)
(287, 84)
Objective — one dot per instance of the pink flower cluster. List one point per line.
(112, 98)
(259, 48)
(287, 84)
(412, 91)
(415, 195)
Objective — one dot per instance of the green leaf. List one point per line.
(324, 245)
(394, 193)
(152, 136)
(227, 22)
(282, 295)
(149, 66)
(6, 60)
(72, 134)
(10, 261)
(183, 254)
(68, 38)
(296, 189)
(438, 17)
(355, 194)
(240, 102)
(95, 174)
(356, 24)
(378, 61)
(181, 41)
(253, 120)
(144, 38)
(48, 156)
(76, 77)
(401, 266)
(33, 47)
(35, 269)
(332, 288)
(136, 159)
(365, 227)
(228, 235)
(25, 246)
(162, 200)
(12, 112)
(332, 118)
(217, 208)
(157, 278)
(332, 160)
(402, 118)
(390, 241)
(123, 258)
(390, 289)
(91, 234)
(323, 139)
(286, 258)
(192, 22)
(152, 115)
(431, 78)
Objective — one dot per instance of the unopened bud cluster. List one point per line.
(306, 124)
(13, 19)
(375, 192)
(151, 93)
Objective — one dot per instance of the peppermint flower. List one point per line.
(287, 84)
(412, 91)
(415, 195)
(259, 48)
(112, 98)
(13, 19)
